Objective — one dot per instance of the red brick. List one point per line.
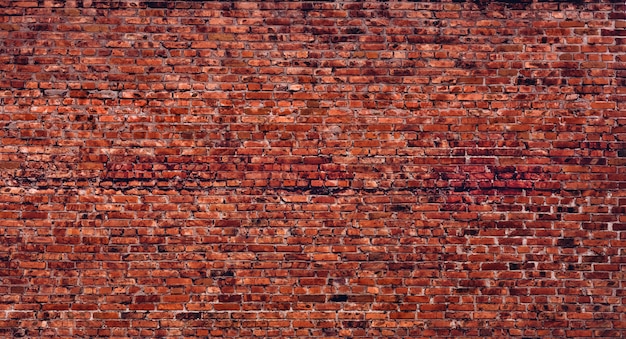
(312, 169)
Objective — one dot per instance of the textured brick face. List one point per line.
(190, 169)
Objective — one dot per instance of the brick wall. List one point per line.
(312, 169)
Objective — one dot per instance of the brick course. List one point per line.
(192, 169)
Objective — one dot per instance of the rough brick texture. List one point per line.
(191, 169)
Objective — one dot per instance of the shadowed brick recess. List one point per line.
(312, 169)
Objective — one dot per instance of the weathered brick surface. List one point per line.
(191, 169)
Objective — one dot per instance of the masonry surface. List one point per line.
(191, 169)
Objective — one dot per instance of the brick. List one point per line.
(312, 169)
